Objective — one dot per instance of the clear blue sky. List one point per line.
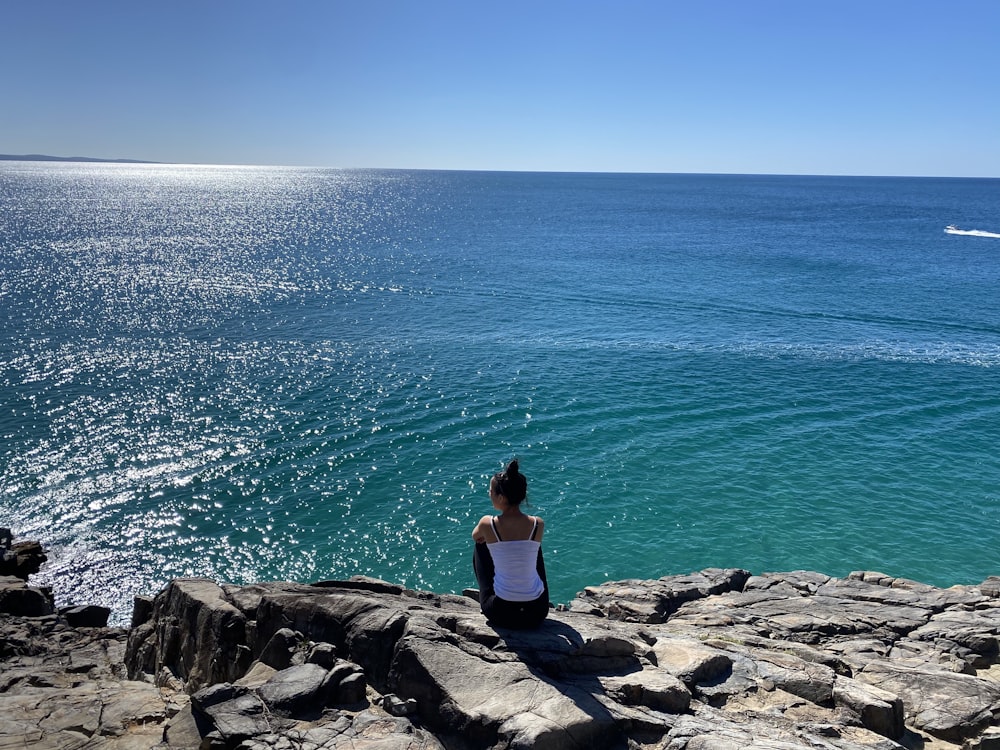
(890, 87)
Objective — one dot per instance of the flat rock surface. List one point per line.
(62, 687)
(706, 661)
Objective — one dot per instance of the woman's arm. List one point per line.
(540, 567)
(483, 531)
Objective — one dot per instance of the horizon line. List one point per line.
(139, 162)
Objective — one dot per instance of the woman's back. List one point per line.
(510, 528)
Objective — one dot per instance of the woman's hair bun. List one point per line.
(512, 484)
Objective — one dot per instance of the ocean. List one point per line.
(306, 374)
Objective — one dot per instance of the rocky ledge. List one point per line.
(715, 660)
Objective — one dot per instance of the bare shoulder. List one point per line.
(540, 529)
(479, 533)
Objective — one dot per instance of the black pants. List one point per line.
(499, 611)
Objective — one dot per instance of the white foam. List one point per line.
(952, 229)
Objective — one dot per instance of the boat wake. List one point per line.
(952, 229)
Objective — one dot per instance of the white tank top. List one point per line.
(515, 563)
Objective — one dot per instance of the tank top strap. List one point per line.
(534, 528)
(493, 524)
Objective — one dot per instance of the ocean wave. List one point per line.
(883, 351)
(917, 352)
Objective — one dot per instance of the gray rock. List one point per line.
(463, 690)
(182, 730)
(718, 659)
(655, 601)
(397, 706)
(281, 648)
(297, 691)
(61, 687)
(347, 683)
(324, 654)
(213, 695)
(953, 707)
(876, 709)
(19, 599)
(86, 616)
(691, 661)
(200, 636)
(233, 715)
(350, 691)
(991, 587)
(988, 740)
(969, 636)
(19, 559)
(654, 689)
(257, 675)
(805, 679)
(142, 610)
(801, 646)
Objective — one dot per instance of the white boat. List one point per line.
(952, 229)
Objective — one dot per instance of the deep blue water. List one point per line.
(259, 373)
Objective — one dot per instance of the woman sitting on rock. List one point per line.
(513, 590)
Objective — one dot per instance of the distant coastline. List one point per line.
(44, 157)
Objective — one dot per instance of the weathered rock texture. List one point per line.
(19, 559)
(717, 660)
(64, 687)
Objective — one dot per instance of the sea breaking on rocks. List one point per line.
(713, 660)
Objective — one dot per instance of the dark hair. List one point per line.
(511, 483)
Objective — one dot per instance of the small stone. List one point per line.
(324, 654)
(396, 706)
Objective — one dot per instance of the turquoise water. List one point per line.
(261, 373)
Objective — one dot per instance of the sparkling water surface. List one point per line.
(264, 373)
